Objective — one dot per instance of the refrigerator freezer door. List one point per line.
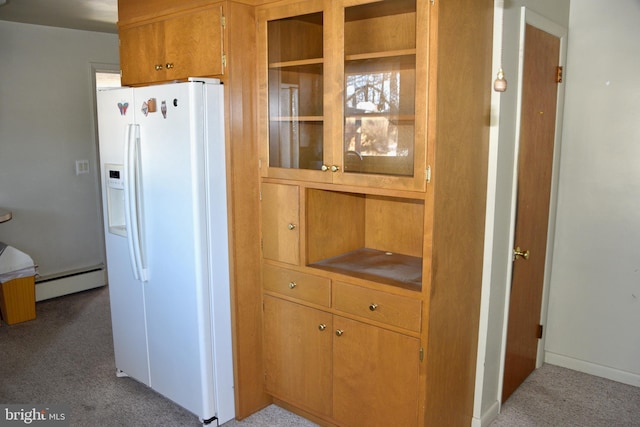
(126, 294)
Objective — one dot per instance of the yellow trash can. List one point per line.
(17, 285)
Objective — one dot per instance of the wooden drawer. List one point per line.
(298, 285)
(394, 310)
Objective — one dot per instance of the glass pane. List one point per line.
(296, 92)
(379, 95)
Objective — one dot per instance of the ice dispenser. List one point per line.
(115, 199)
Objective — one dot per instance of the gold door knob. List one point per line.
(169, 65)
(292, 285)
(339, 332)
(335, 168)
(291, 226)
(517, 252)
(158, 67)
(322, 327)
(324, 168)
(373, 307)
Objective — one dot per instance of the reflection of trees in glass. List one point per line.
(368, 94)
(373, 93)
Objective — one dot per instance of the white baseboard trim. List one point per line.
(487, 417)
(69, 284)
(592, 368)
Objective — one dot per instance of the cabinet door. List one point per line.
(141, 54)
(292, 122)
(297, 348)
(375, 374)
(384, 95)
(280, 223)
(193, 44)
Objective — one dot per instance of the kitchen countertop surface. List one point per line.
(5, 215)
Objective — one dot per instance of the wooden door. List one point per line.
(280, 223)
(142, 54)
(375, 376)
(193, 44)
(538, 121)
(297, 354)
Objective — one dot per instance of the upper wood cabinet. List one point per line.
(344, 92)
(173, 48)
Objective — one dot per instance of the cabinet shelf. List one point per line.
(379, 266)
(381, 55)
(297, 63)
(297, 119)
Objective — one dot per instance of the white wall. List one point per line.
(500, 200)
(594, 305)
(46, 124)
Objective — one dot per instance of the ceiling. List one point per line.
(89, 15)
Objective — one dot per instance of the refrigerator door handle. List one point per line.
(133, 202)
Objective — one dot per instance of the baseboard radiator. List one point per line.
(70, 282)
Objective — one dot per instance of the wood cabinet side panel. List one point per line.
(464, 40)
(244, 199)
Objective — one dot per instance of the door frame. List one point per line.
(529, 17)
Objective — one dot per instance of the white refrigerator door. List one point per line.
(115, 112)
(177, 295)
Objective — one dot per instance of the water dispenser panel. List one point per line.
(115, 199)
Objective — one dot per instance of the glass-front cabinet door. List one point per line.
(293, 40)
(346, 92)
(384, 95)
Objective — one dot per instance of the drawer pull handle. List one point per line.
(291, 226)
(169, 65)
(339, 332)
(322, 327)
(373, 307)
(292, 285)
(158, 67)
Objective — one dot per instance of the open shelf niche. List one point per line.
(372, 237)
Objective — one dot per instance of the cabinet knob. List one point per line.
(291, 226)
(292, 285)
(373, 307)
(322, 327)
(158, 67)
(335, 168)
(169, 65)
(339, 332)
(324, 168)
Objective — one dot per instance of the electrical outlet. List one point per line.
(82, 167)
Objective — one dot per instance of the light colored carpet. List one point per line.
(66, 356)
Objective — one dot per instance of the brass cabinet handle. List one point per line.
(169, 65)
(292, 285)
(324, 168)
(291, 226)
(322, 327)
(373, 307)
(518, 252)
(339, 332)
(158, 67)
(335, 168)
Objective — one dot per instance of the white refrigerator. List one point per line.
(162, 156)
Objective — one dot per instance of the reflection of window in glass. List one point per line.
(370, 98)
(289, 135)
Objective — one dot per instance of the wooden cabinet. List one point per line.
(373, 131)
(298, 342)
(280, 223)
(173, 48)
(345, 370)
(375, 375)
(345, 92)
